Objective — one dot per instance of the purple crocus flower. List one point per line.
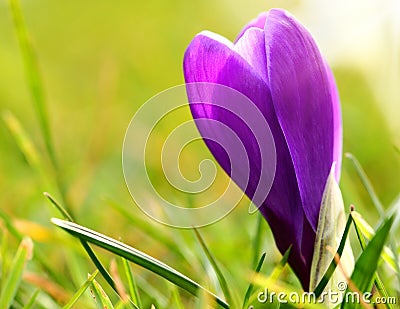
(278, 66)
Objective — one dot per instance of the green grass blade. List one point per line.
(136, 257)
(81, 290)
(85, 245)
(98, 264)
(58, 206)
(32, 300)
(257, 240)
(146, 228)
(120, 305)
(33, 76)
(325, 279)
(221, 279)
(152, 292)
(251, 285)
(101, 298)
(378, 282)
(24, 143)
(367, 184)
(14, 277)
(367, 263)
(394, 209)
(36, 88)
(368, 232)
(38, 255)
(3, 256)
(133, 289)
(397, 148)
(176, 298)
(10, 226)
(273, 277)
(279, 268)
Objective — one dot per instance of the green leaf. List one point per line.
(257, 239)
(221, 279)
(397, 148)
(273, 277)
(133, 289)
(81, 290)
(33, 75)
(58, 206)
(331, 225)
(4, 257)
(36, 88)
(98, 264)
(9, 225)
(366, 265)
(84, 244)
(101, 298)
(24, 253)
(378, 282)
(23, 141)
(378, 205)
(367, 184)
(176, 298)
(251, 285)
(32, 300)
(163, 238)
(153, 292)
(136, 257)
(368, 232)
(282, 263)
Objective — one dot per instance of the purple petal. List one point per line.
(303, 98)
(209, 58)
(251, 46)
(337, 122)
(258, 22)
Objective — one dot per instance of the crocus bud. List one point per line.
(276, 64)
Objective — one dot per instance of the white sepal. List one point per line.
(331, 225)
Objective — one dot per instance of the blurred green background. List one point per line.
(101, 60)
